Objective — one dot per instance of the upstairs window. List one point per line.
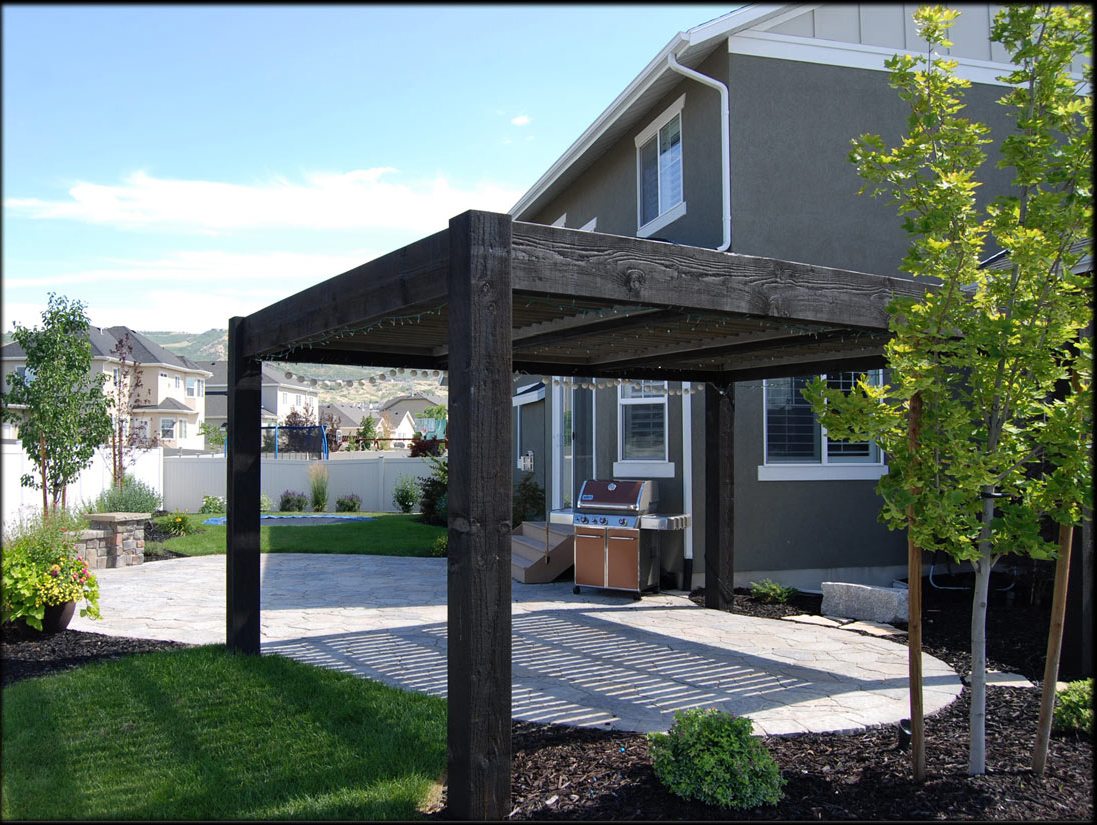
(196, 388)
(661, 197)
(642, 421)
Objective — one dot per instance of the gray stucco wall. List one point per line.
(793, 189)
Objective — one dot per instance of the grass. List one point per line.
(389, 534)
(203, 734)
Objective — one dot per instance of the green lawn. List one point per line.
(202, 734)
(389, 534)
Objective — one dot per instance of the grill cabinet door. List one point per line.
(590, 556)
(623, 560)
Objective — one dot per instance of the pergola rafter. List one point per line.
(488, 297)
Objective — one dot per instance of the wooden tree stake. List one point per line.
(914, 614)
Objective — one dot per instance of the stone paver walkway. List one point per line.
(592, 659)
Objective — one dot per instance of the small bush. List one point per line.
(133, 496)
(1074, 707)
(710, 756)
(348, 504)
(292, 501)
(770, 592)
(265, 504)
(420, 446)
(406, 493)
(318, 480)
(528, 501)
(212, 504)
(175, 524)
(433, 503)
(440, 548)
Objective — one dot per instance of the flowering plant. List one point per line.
(41, 569)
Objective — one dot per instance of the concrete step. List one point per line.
(527, 548)
(530, 564)
(536, 529)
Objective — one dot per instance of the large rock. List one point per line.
(862, 601)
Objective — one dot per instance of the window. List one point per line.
(297, 401)
(178, 382)
(26, 373)
(796, 445)
(285, 398)
(117, 374)
(181, 429)
(167, 428)
(140, 427)
(196, 388)
(642, 421)
(661, 199)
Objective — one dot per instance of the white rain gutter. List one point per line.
(725, 140)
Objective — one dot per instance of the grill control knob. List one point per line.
(602, 520)
(620, 521)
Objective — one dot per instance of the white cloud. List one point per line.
(358, 199)
(185, 291)
(521, 120)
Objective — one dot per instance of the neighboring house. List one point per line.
(280, 395)
(768, 175)
(413, 404)
(171, 401)
(396, 427)
(346, 417)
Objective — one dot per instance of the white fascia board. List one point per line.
(528, 398)
(741, 18)
(859, 56)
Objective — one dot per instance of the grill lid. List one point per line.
(615, 496)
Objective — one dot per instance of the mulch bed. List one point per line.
(574, 773)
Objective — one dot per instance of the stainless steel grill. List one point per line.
(616, 535)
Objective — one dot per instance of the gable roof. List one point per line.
(104, 340)
(345, 416)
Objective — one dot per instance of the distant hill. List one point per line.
(213, 345)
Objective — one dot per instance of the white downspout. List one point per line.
(725, 140)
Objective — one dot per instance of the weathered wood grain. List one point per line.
(242, 523)
(719, 497)
(479, 500)
(553, 261)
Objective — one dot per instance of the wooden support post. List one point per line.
(1054, 647)
(719, 497)
(914, 615)
(479, 497)
(242, 524)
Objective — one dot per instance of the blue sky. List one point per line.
(174, 166)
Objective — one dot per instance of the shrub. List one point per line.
(348, 504)
(133, 496)
(433, 504)
(528, 501)
(176, 524)
(406, 493)
(770, 592)
(420, 446)
(440, 547)
(318, 480)
(1074, 707)
(710, 756)
(40, 569)
(212, 504)
(265, 504)
(292, 501)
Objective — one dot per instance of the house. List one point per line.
(280, 395)
(395, 428)
(736, 137)
(415, 404)
(347, 418)
(170, 403)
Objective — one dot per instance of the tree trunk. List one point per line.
(45, 483)
(978, 718)
(1054, 647)
(914, 615)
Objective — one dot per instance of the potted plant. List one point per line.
(44, 577)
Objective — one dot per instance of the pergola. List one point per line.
(488, 297)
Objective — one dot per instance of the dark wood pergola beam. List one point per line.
(400, 282)
(592, 266)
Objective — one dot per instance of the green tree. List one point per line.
(215, 436)
(995, 357)
(366, 434)
(126, 439)
(66, 416)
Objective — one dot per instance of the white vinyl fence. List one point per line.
(188, 478)
(20, 501)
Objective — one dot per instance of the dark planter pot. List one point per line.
(58, 617)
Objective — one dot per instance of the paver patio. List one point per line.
(593, 659)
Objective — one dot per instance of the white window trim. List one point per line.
(643, 469)
(652, 131)
(631, 465)
(823, 470)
